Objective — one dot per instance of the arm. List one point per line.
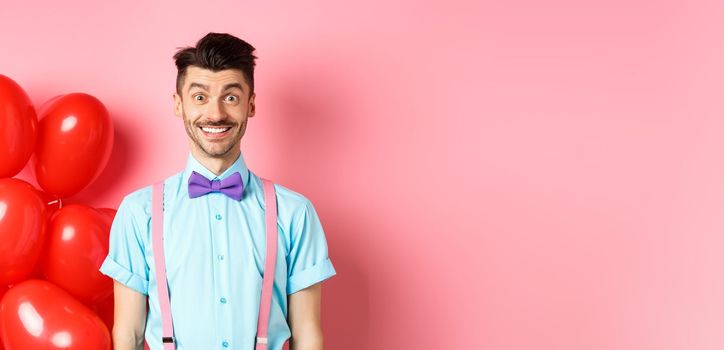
(305, 318)
(129, 320)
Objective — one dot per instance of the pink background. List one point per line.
(498, 175)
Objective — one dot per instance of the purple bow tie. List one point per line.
(231, 186)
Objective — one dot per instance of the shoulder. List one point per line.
(137, 203)
(139, 200)
(290, 202)
(291, 198)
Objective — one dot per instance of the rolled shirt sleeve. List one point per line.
(126, 262)
(309, 261)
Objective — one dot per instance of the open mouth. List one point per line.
(215, 131)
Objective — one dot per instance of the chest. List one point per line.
(214, 237)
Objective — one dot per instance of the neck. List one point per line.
(216, 165)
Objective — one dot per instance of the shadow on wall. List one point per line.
(346, 299)
(313, 139)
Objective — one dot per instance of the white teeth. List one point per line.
(214, 130)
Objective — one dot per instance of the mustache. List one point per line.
(215, 124)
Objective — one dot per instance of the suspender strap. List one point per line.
(160, 261)
(270, 204)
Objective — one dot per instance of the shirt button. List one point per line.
(218, 216)
(221, 257)
(225, 344)
(223, 300)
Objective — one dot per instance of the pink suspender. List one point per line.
(270, 264)
(158, 258)
(262, 339)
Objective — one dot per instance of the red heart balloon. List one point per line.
(18, 127)
(108, 211)
(76, 245)
(75, 138)
(22, 217)
(36, 314)
(104, 310)
(3, 289)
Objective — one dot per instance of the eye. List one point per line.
(199, 97)
(232, 98)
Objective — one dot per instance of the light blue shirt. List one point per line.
(215, 255)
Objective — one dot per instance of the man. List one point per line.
(214, 243)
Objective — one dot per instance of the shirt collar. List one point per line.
(239, 165)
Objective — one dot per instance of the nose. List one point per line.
(215, 111)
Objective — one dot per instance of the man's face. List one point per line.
(215, 107)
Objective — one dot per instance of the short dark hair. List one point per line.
(215, 52)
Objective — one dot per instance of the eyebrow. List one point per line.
(226, 87)
(193, 85)
(233, 85)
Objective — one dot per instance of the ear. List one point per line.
(252, 106)
(178, 105)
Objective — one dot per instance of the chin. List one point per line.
(218, 152)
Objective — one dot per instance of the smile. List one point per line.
(215, 130)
